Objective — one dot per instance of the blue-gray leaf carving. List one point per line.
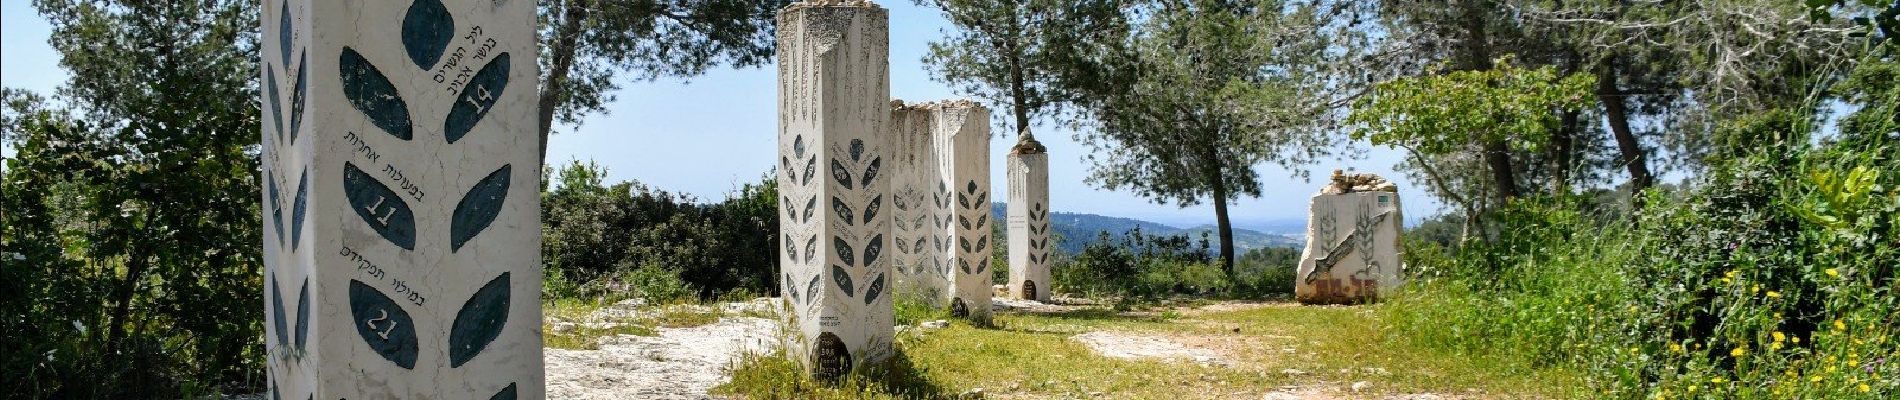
(811, 288)
(982, 265)
(277, 312)
(964, 221)
(383, 324)
(276, 205)
(843, 210)
(791, 249)
(811, 168)
(381, 208)
(369, 91)
(298, 206)
(283, 32)
(982, 243)
(982, 220)
(870, 172)
(297, 98)
(303, 316)
(843, 279)
(838, 173)
(857, 149)
(982, 199)
(870, 210)
(877, 288)
(426, 31)
(811, 205)
(477, 98)
(791, 289)
(480, 321)
(873, 249)
(507, 393)
(479, 207)
(964, 264)
(965, 243)
(271, 99)
(963, 200)
(798, 146)
(811, 248)
(844, 251)
(785, 167)
(919, 247)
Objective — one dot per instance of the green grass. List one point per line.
(589, 330)
(1033, 356)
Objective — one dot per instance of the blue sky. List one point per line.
(707, 134)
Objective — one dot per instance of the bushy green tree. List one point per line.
(133, 206)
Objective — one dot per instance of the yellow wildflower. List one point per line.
(1815, 379)
(1730, 274)
(1774, 294)
(1756, 289)
(1796, 339)
(1780, 337)
(1738, 352)
(1718, 380)
(1839, 326)
(1864, 388)
(1675, 347)
(1774, 346)
(1834, 272)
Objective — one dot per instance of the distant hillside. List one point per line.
(1076, 230)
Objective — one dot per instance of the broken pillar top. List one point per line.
(1343, 183)
(1027, 144)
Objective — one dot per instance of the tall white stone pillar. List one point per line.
(1029, 220)
(401, 205)
(921, 212)
(834, 93)
(961, 131)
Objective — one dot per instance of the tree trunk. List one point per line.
(1498, 158)
(1562, 147)
(566, 43)
(1017, 93)
(1225, 227)
(1614, 110)
(136, 266)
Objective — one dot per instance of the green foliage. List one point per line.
(1772, 278)
(132, 223)
(1018, 55)
(1439, 114)
(1141, 269)
(604, 240)
(1266, 272)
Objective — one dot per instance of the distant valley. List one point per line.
(1076, 230)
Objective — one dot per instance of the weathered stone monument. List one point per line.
(1352, 242)
(402, 249)
(834, 93)
(961, 133)
(1029, 219)
(922, 207)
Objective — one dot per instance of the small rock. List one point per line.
(1426, 396)
(976, 393)
(1375, 371)
(1280, 396)
(1292, 372)
(564, 327)
(938, 324)
(1361, 386)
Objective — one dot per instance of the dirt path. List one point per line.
(678, 363)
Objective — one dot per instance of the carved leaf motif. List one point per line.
(298, 206)
(843, 279)
(877, 288)
(964, 264)
(919, 247)
(811, 167)
(383, 324)
(870, 173)
(370, 92)
(283, 32)
(963, 200)
(798, 146)
(479, 321)
(303, 316)
(964, 242)
(297, 97)
(271, 99)
(964, 221)
(791, 288)
(982, 220)
(844, 251)
(838, 173)
(842, 210)
(477, 98)
(873, 250)
(857, 150)
(276, 207)
(811, 288)
(379, 207)
(811, 205)
(479, 207)
(811, 248)
(278, 319)
(982, 242)
(971, 187)
(790, 212)
(982, 199)
(791, 249)
(507, 393)
(982, 265)
(870, 210)
(785, 167)
(426, 31)
(919, 222)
